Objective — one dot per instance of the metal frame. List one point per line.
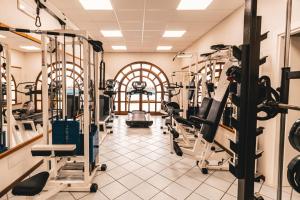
(85, 183)
(243, 165)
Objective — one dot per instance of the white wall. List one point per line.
(230, 31)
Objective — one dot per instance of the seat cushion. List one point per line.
(31, 186)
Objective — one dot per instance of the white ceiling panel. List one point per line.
(131, 25)
(143, 22)
(162, 4)
(128, 4)
(130, 15)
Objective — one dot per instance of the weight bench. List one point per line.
(194, 126)
(204, 147)
(34, 185)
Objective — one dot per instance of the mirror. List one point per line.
(25, 58)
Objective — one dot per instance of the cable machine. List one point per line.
(73, 146)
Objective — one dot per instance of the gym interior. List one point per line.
(149, 99)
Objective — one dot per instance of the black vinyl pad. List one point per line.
(31, 186)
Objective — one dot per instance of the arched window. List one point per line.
(13, 86)
(140, 71)
(56, 74)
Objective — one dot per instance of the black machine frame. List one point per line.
(246, 122)
(246, 98)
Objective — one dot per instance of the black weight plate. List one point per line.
(293, 173)
(294, 136)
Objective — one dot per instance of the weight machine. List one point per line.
(71, 151)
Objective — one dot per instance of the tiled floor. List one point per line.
(140, 166)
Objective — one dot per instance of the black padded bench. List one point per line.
(31, 186)
(202, 113)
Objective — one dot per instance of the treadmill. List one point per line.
(139, 118)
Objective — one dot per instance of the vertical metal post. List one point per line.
(63, 76)
(74, 80)
(287, 44)
(97, 94)
(2, 141)
(246, 134)
(8, 97)
(45, 91)
(86, 116)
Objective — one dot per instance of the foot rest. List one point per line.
(31, 186)
(177, 149)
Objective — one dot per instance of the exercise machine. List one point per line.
(111, 92)
(203, 148)
(71, 152)
(139, 118)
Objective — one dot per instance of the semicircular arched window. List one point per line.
(140, 71)
(54, 75)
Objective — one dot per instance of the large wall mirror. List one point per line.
(23, 53)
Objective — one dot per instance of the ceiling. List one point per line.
(143, 22)
(15, 42)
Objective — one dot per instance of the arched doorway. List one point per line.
(140, 71)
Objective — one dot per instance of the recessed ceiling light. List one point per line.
(112, 33)
(193, 4)
(119, 47)
(30, 48)
(96, 4)
(174, 33)
(164, 48)
(2, 36)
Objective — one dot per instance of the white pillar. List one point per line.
(45, 101)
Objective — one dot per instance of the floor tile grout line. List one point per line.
(228, 189)
(168, 166)
(199, 185)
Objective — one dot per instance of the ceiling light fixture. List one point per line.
(2, 36)
(119, 47)
(164, 48)
(193, 4)
(112, 33)
(173, 34)
(96, 4)
(30, 48)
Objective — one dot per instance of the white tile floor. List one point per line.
(140, 166)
